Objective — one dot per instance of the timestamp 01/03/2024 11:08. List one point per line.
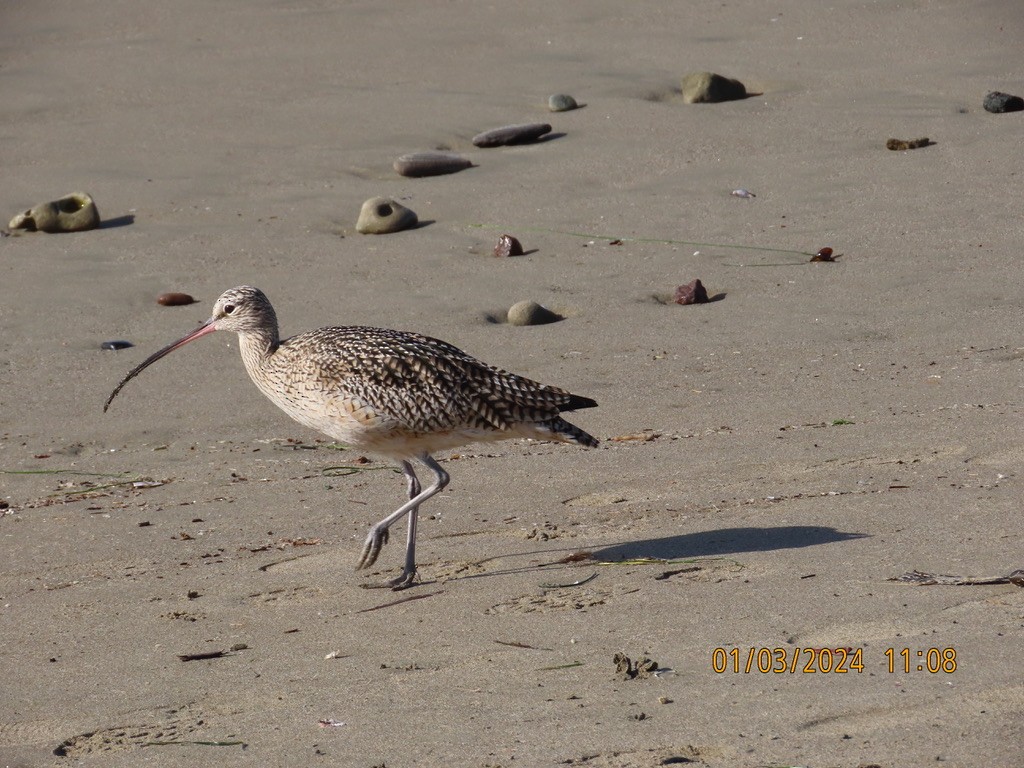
(793, 660)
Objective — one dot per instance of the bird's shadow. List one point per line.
(716, 543)
(724, 541)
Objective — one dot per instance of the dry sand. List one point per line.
(233, 142)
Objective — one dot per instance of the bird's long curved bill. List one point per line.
(202, 330)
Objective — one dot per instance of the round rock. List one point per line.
(708, 88)
(562, 102)
(531, 313)
(381, 215)
(430, 164)
(72, 213)
(511, 134)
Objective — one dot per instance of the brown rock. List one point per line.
(174, 299)
(691, 293)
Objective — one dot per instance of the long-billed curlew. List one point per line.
(398, 394)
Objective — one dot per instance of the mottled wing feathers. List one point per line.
(425, 384)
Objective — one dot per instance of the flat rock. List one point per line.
(709, 88)
(72, 213)
(997, 102)
(381, 216)
(511, 134)
(116, 344)
(430, 164)
(174, 299)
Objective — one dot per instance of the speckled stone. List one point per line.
(531, 313)
(708, 88)
(430, 164)
(511, 134)
(997, 102)
(508, 246)
(381, 216)
(562, 102)
(72, 213)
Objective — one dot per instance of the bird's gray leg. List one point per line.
(379, 533)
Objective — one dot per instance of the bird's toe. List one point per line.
(375, 541)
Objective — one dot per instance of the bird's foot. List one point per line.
(404, 580)
(375, 540)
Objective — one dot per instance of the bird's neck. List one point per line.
(258, 347)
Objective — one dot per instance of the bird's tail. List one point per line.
(565, 432)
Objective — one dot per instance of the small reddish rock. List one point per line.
(691, 293)
(174, 299)
(825, 254)
(508, 246)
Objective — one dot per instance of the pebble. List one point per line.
(691, 293)
(174, 299)
(508, 246)
(708, 87)
(997, 101)
(531, 313)
(511, 134)
(116, 345)
(824, 254)
(381, 215)
(430, 164)
(561, 102)
(75, 212)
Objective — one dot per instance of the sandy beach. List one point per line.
(177, 585)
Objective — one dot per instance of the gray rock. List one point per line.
(72, 213)
(707, 88)
(380, 216)
(531, 313)
(562, 102)
(431, 164)
(998, 101)
(511, 134)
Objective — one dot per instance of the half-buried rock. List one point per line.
(430, 164)
(531, 313)
(708, 88)
(511, 134)
(72, 213)
(381, 215)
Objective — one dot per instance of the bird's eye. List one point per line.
(229, 308)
